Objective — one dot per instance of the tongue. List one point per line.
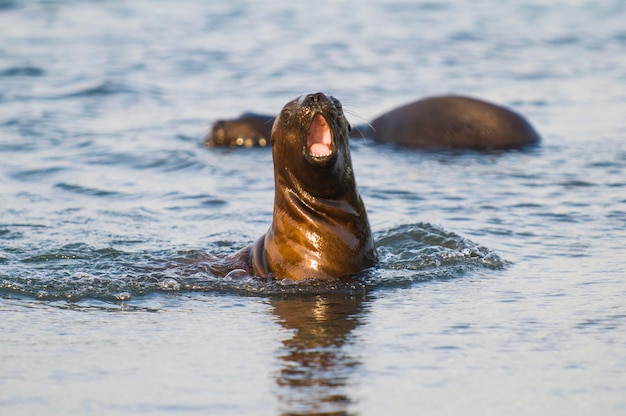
(319, 138)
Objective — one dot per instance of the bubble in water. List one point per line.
(170, 285)
(82, 276)
(122, 296)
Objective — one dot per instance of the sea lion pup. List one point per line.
(445, 122)
(454, 122)
(319, 227)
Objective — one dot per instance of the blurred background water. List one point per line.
(501, 283)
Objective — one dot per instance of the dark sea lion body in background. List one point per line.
(454, 122)
(319, 226)
(444, 122)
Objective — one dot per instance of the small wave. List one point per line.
(104, 88)
(201, 199)
(393, 195)
(170, 161)
(37, 174)
(161, 160)
(565, 40)
(77, 189)
(22, 71)
(72, 91)
(575, 183)
(420, 252)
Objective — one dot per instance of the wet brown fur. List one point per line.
(320, 227)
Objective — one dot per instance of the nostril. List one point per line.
(315, 97)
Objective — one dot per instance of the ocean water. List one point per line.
(501, 283)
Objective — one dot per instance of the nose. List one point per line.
(314, 98)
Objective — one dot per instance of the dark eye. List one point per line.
(286, 115)
(349, 128)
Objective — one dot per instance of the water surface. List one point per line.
(500, 289)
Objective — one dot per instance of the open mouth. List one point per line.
(319, 141)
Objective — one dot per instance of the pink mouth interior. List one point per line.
(320, 138)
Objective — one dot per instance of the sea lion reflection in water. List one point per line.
(434, 122)
(319, 227)
(316, 360)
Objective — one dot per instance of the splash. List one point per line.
(420, 252)
(409, 254)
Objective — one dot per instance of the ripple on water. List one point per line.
(103, 88)
(171, 161)
(86, 191)
(160, 160)
(37, 174)
(22, 71)
(198, 200)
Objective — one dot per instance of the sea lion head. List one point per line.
(248, 130)
(310, 146)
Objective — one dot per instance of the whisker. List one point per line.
(361, 119)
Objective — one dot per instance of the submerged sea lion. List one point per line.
(446, 121)
(320, 227)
